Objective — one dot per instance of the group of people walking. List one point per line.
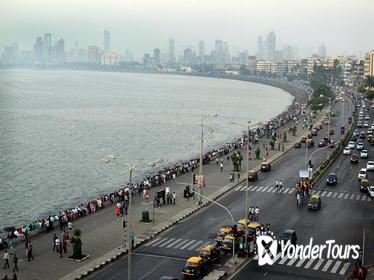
(253, 213)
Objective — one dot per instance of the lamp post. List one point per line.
(328, 131)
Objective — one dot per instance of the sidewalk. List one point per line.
(102, 233)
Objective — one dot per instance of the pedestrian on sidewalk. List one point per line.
(132, 238)
(54, 242)
(238, 176)
(221, 166)
(29, 252)
(230, 177)
(15, 261)
(217, 161)
(60, 249)
(228, 158)
(6, 259)
(174, 197)
(174, 177)
(57, 244)
(257, 212)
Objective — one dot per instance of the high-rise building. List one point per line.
(260, 49)
(222, 52)
(106, 41)
(188, 56)
(201, 51)
(270, 46)
(93, 55)
(38, 49)
(47, 44)
(171, 50)
(371, 63)
(322, 50)
(60, 51)
(157, 55)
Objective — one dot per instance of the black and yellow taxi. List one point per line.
(251, 226)
(265, 166)
(303, 139)
(252, 175)
(209, 252)
(227, 243)
(223, 231)
(314, 202)
(195, 267)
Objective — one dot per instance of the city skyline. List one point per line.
(142, 31)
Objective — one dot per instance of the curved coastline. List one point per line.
(293, 90)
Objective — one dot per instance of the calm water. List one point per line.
(56, 126)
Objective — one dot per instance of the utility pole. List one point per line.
(131, 169)
(201, 161)
(246, 194)
(328, 131)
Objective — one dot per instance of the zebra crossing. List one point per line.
(322, 193)
(337, 267)
(176, 243)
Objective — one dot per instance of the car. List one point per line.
(351, 145)
(364, 154)
(347, 151)
(331, 132)
(195, 267)
(367, 117)
(362, 174)
(314, 202)
(331, 179)
(297, 144)
(371, 191)
(362, 135)
(370, 165)
(265, 166)
(354, 158)
(321, 143)
(359, 124)
(364, 185)
(289, 235)
(314, 132)
(356, 132)
(303, 139)
(252, 175)
(372, 127)
(369, 132)
(360, 146)
(366, 124)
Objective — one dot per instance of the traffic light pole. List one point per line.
(201, 160)
(131, 169)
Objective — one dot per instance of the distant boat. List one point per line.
(111, 156)
(105, 160)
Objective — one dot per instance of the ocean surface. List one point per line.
(57, 127)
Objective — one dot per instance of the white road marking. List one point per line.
(238, 188)
(253, 189)
(158, 242)
(319, 192)
(352, 196)
(167, 242)
(174, 242)
(259, 189)
(188, 244)
(329, 194)
(277, 257)
(153, 241)
(344, 269)
(358, 196)
(270, 189)
(346, 196)
(290, 190)
(341, 195)
(265, 188)
(193, 247)
(282, 261)
(309, 263)
(300, 262)
(327, 265)
(323, 193)
(336, 266)
(318, 264)
(180, 244)
(335, 194)
(292, 261)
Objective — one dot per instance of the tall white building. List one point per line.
(322, 51)
(270, 45)
(106, 41)
(371, 63)
(201, 51)
(171, 50)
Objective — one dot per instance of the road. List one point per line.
(166, 254)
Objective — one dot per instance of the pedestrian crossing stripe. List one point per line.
(176, 243)
(324, 265)
(322, 193)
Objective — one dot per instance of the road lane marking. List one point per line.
(352, 196)
(292, 261)
(344, 269)
(346, 196)
(363, 197)
(274, 190)
(193, 247)
(153, 241)
(336, 266)
(341, 195)
(329, 194)
(158, 242)
(265, 188)
(174, 242)
(253, 189)
(188, 244)
(277, 257)
(259, 189)
(323, 193)
(358, 196)
(300, 262)
(309, 263)
(270, 189)
(282, 261)
(158, 256)
(167, 242)
(335, 194)
(180, 244)
(319, 192)
(238, 188)
(327, 265)
(318, 264)
(290, 190)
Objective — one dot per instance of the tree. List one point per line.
(77, 244)
(236, 159)
(272, 143)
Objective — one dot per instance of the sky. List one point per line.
(344, 26)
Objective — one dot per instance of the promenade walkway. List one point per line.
(102, 232)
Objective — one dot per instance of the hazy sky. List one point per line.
(344, 26)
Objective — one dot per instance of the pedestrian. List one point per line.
(70, 225)
(217, 161)
(257, 212)
(57, 244)
(132, 237)
(280, 185)
(15, 261)
(297, 199)
(29, 252)
(238, 176)
(6, 277)
(60, 249)
(174, 177)
(276, 184)
(221, 166)
(228, 158)
(230, 177)
(174, 197)
(6, 259)
(54, 242)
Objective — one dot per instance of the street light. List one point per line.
(201, 178)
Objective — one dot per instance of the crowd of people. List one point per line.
(63, 219)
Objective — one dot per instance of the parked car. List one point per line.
(371, 191)
(331, 132)
(354, 158)
(362, 174)
(347, 151)
(364, 154)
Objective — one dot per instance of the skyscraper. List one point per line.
(93, 55)
(47, 43)
(371, 63)
(156, 55)
(106, 41)
(171, 50)
(38, 49)
(201, 51)
(60, 51)
(270, 46)
(322, 50)
(260, 48)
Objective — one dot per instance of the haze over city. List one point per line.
(140, 26)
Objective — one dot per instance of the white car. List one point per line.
(364, 154)
(362, 174)
(347, 151)
(366, 124)
(370, 165)
(371, 191)
(367, 118)
(360, 146)
(372, 127)
(351, 145)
